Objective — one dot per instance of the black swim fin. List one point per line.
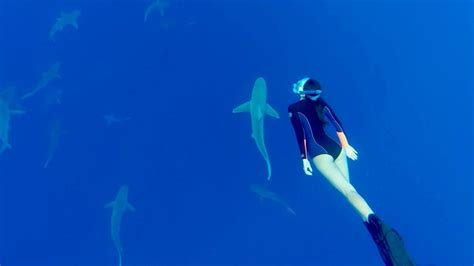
(389, 243)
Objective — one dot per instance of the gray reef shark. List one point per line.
(46, 77)
(112, 118)
(55, 133)
(263, 192)
(258, 107)
(119, 206)
(157, 4)
(5, 113)
(66, 19)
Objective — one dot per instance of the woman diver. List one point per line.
(309, 116)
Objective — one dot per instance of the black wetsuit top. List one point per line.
(309, 128)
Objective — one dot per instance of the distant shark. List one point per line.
(258, 107)
(66, 18)
(119, 206)
(46, 78)
(265, 193)
(55, 133)
(6, 111)
(157, 4)
(112, 118)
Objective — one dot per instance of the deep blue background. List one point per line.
(399, 74)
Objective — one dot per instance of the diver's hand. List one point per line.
(307, 167)
(351, 152)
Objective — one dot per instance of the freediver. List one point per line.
(309, 116)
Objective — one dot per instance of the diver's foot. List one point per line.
(389, 242)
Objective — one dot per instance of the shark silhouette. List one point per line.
(66, 18)
(157, 4)
(111, 118)
(263, 192)
(55, 133)
(258, 107)
(6, 98)
(46, 78)
(119, 206)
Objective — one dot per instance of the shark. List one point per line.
(258, 108)
(55, 133)
(46, 77)
(66, 19)
(263, 192)
(6, 111)
(112, 118)
(119, 206)
(161, 5)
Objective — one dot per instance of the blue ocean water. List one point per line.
(399, 74)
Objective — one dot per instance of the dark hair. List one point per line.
(311, 85)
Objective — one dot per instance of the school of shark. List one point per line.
(67, 22)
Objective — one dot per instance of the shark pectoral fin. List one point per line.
(290, 210)
(110, 204)
(271, 112)
(245, 107)
(75, 25)
(130, 207)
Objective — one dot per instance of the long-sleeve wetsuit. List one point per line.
(309, 128)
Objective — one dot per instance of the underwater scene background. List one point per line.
(112, 98)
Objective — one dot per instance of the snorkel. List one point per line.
(298, 88)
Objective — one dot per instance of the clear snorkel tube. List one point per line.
(298, 86)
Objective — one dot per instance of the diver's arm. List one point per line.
(299, 132)
(331, 116)
(300, 137)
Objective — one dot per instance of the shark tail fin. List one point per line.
(271, 112)
(51, 36)
(120, 257)
(269, 169)
(46, 164)
(245, 107)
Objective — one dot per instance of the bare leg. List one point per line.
(328, 168)
(341, 163)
